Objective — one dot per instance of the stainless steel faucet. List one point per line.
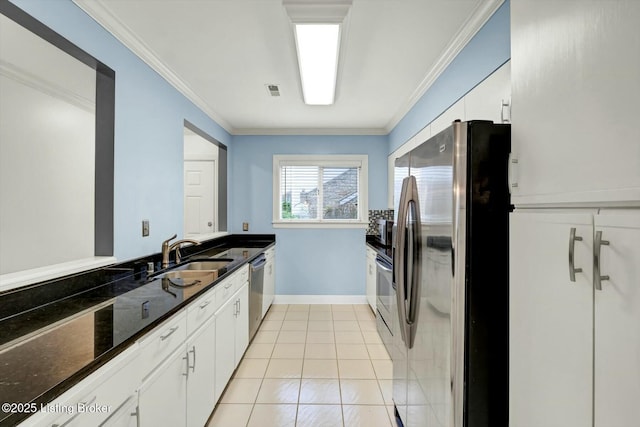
(166, 249)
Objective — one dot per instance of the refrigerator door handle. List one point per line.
(399, 259)
(406, 269)
(415, 268)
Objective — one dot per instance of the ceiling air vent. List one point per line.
(274, 90)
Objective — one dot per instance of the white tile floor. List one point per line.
(311, 365)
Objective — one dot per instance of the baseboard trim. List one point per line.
(320, 299)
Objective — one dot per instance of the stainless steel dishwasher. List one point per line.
(256, 281)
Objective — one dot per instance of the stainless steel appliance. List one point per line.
(385, 298)
(384, 230)
(256, 280)
(450, 352)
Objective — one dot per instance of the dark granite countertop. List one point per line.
(54, 334)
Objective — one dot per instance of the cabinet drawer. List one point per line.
(157, 345)
(200, 310)
(109, 386)
(225, 290)
(242, 276)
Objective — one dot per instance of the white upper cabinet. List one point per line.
(444, 120)
(575, 91)
(490, 99)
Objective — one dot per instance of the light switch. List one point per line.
(245, 226)
(145, 227)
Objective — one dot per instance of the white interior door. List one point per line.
(199, 197)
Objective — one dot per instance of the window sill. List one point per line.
(27, 277)
(317, 224)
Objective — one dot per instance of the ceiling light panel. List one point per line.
(317, 46)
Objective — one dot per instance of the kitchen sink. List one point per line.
(204, 265)
(186, 278)
(197, 272)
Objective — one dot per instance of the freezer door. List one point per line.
(429, 390)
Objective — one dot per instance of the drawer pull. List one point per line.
(227, 286)
(206, 303)
(171, 331)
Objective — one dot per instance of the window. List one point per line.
(327, 191)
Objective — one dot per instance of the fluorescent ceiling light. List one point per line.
(317, 46)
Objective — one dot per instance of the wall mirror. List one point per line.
(56, 150)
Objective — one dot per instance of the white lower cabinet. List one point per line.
(617, 320)
(371, 278)
(105, 398)
(269, 284)
(574, 339)
(163, 396)
(173, 376)
(201, 350)
(232, 337)
(551, 321)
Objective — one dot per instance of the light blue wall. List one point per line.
(148, 154)
(308, 261)
(149, 116)
(485, 53)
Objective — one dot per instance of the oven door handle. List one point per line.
(382, 266)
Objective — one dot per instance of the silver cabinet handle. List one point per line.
(239, 306)
(171, 331)
(597, 278)
(206, 303)
(193, 351)
(572, 247)
(186, 357)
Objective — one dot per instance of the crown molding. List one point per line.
(313, 131)
(27, 78)
(469, 28)
(105, 18)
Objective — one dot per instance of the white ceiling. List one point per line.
(222, 53)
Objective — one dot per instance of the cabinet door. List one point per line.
(574, 98)
(163, 395)
(125, 415)
(201, 383)
(269, 285)
(225, 345)
(550, 321)
(617, 322)
(242, 323)
(485, 101)
(371, 280)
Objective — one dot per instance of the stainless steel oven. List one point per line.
(385, 298)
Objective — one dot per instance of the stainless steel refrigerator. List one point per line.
(450, 271)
